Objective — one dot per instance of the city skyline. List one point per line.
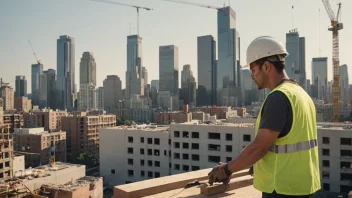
(174, 29)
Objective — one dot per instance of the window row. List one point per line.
(343, 141)
(185, 167)
(211, 135)
(343, 153)
(149, 140)
(156, 152)
(130, 173)
(195, 157)
(343, 164)
(142, 162)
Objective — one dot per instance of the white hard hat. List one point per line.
(264, 46)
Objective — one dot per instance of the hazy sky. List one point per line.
(103, 29)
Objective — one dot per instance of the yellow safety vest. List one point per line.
(291, 166)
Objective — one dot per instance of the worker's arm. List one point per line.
(254, 151)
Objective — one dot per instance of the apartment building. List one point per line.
(135, 154)
(14, 120)
(166, 118)
(221, 112)
(40, 146)
(23, 104)
(83, 133)
(6, 153)
(47, 118)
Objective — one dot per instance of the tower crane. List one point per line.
(195, 4)
(128, 5)
(38, 61)
(335, 27)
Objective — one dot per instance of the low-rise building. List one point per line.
(166, 118)
(47, 118)
(14, 120)
(221, 112)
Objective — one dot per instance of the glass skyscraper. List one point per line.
(65, 83)
(37, 71)
(319, 77)
(21, 86)
(229, 90)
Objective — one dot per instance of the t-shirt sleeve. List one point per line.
(275, 112)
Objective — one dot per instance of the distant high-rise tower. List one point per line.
(320, 77)
(21, 86)
(188, 86)
(37, 71)
(88, 71)
(206, 54)
(228, 64)
(134, 80)
(65, 83)
(344, 88)
(145, 76)
(295, 61)
(99, 98)
(112, 92)
(86, 100)
(47, 89)
(7, 95)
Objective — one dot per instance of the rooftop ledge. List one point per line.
(173, 186)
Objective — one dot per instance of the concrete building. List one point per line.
(20, 86)
(168, 70)
(1, 111)
(166, 101)
(88, 70)
(320, 77)
(48, 147)
(188, 87)
(228, 64)
(206, 55)
(7, 94)
(221, 112)
(134, 73)
(138, 115)
(47, 89)
(13, 120)
(6, 146)
(344, 83)
(37, 71)
(23, 104)
(112, 92)
(86, 100)
(83, 133)
(46, 118)
(138, 102)
(65, 82)
(166, 118)
(99, 98)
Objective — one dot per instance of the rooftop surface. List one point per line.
(75, 185)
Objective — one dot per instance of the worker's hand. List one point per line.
(218, 174)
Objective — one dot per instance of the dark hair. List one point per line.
(275, 60)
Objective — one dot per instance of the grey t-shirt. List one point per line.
(276, 114)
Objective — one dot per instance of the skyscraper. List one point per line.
(344, 88)
(206, 55)
(145, 76)
(134, 79)
(88, 71)
(99, 98)
(47, 89)
(319, 77)
(112, 92)
(86, 100)
(7, 95)
(65, 83)
(155, 83)
(188, 86)
(37, 71)
(21, 86)
(228, 64)
(295, 61)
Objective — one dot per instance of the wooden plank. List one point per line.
(163, 184)
(234, 183)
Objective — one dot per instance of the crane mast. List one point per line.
(335, 27)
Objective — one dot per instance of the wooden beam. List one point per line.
(235, 183)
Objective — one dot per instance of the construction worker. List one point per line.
(284, 153)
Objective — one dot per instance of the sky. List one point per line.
(103, 28)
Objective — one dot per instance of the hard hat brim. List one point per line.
(245, 66)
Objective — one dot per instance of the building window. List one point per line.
(177, 134)
(130, 161)
(326, 187)
(142, 162)
(156, 141)
(185, 134)
(194, 168)
(141, 151)
(345, 188)
(150, 140)
(156, 163)
(165, 152)
(214, 147)
(246, 138)
(326, 152)
(142, 174)
(346, 153)
(150, 163)
(346, 141)
(326, 175)
(345, 176)
(214, 159)
(326, 163)
(156, 152)
(150, 174)
(130, 150)
(214, 136)
(130, 173)
(176, 155)
(195, 146)
(130, 139)
(326, 140)
(176, 144)
(195, 157)
(345, 165)
(150, 151)
(142, 139)
(228, 148)
(176, 166)
(112, 171)
(185, 145)
(195, 135)
(169, 141)
(185, 168)
(228, 136)
(156, 174)
(185, 156)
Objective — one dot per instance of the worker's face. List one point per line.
(258, 75)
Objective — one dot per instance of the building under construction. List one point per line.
(6, 153)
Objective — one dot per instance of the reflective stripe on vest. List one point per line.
(290, 148)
